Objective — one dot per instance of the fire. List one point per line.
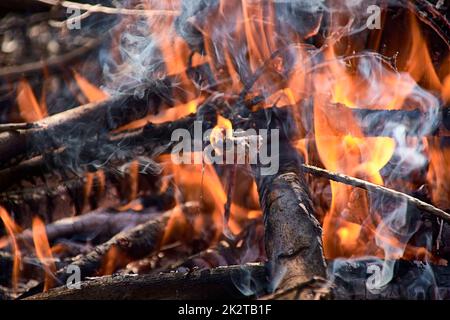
(91, 92)
(438, 175)
(43, 251)
(349, 153)
(29, 108)
(12, 229)
(348, 234)
(221, 131)
(133, 183)
(195, 182)
(168, 114)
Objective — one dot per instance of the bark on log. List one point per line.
(411, 280)
(206, 284)
(293, 236)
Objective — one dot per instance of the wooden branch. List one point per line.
(377, 189)
(349, 279)
(15, 126)
(206, 284)
(15, 72)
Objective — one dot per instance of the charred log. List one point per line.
(411, 280)
(207, 284)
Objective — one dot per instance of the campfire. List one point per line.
(258, 149)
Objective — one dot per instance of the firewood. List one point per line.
(349, 280)
(292, 233)
(230, 282)
(91, 122)
(86, 121)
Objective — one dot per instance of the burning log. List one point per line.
(231, 282)
(292, 233)
(89, 122)
(350, 280)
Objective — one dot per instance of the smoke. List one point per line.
(140, 65)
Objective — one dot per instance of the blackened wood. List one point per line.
(218, 283)
(349, 279)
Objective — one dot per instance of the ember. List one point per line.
(225, 149)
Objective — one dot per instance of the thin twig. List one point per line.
(371, 187)
(110, 10)
(16, 126)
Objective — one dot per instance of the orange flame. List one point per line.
(352, 154)
(43, 251)
(90, 91)
(29, 108)
(196, 182)
(165, 115)
(12, 229)
(438, 174)
(133, 182)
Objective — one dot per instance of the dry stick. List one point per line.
(371, 187)
(15, 126)
(14, 72)
(110, 10)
